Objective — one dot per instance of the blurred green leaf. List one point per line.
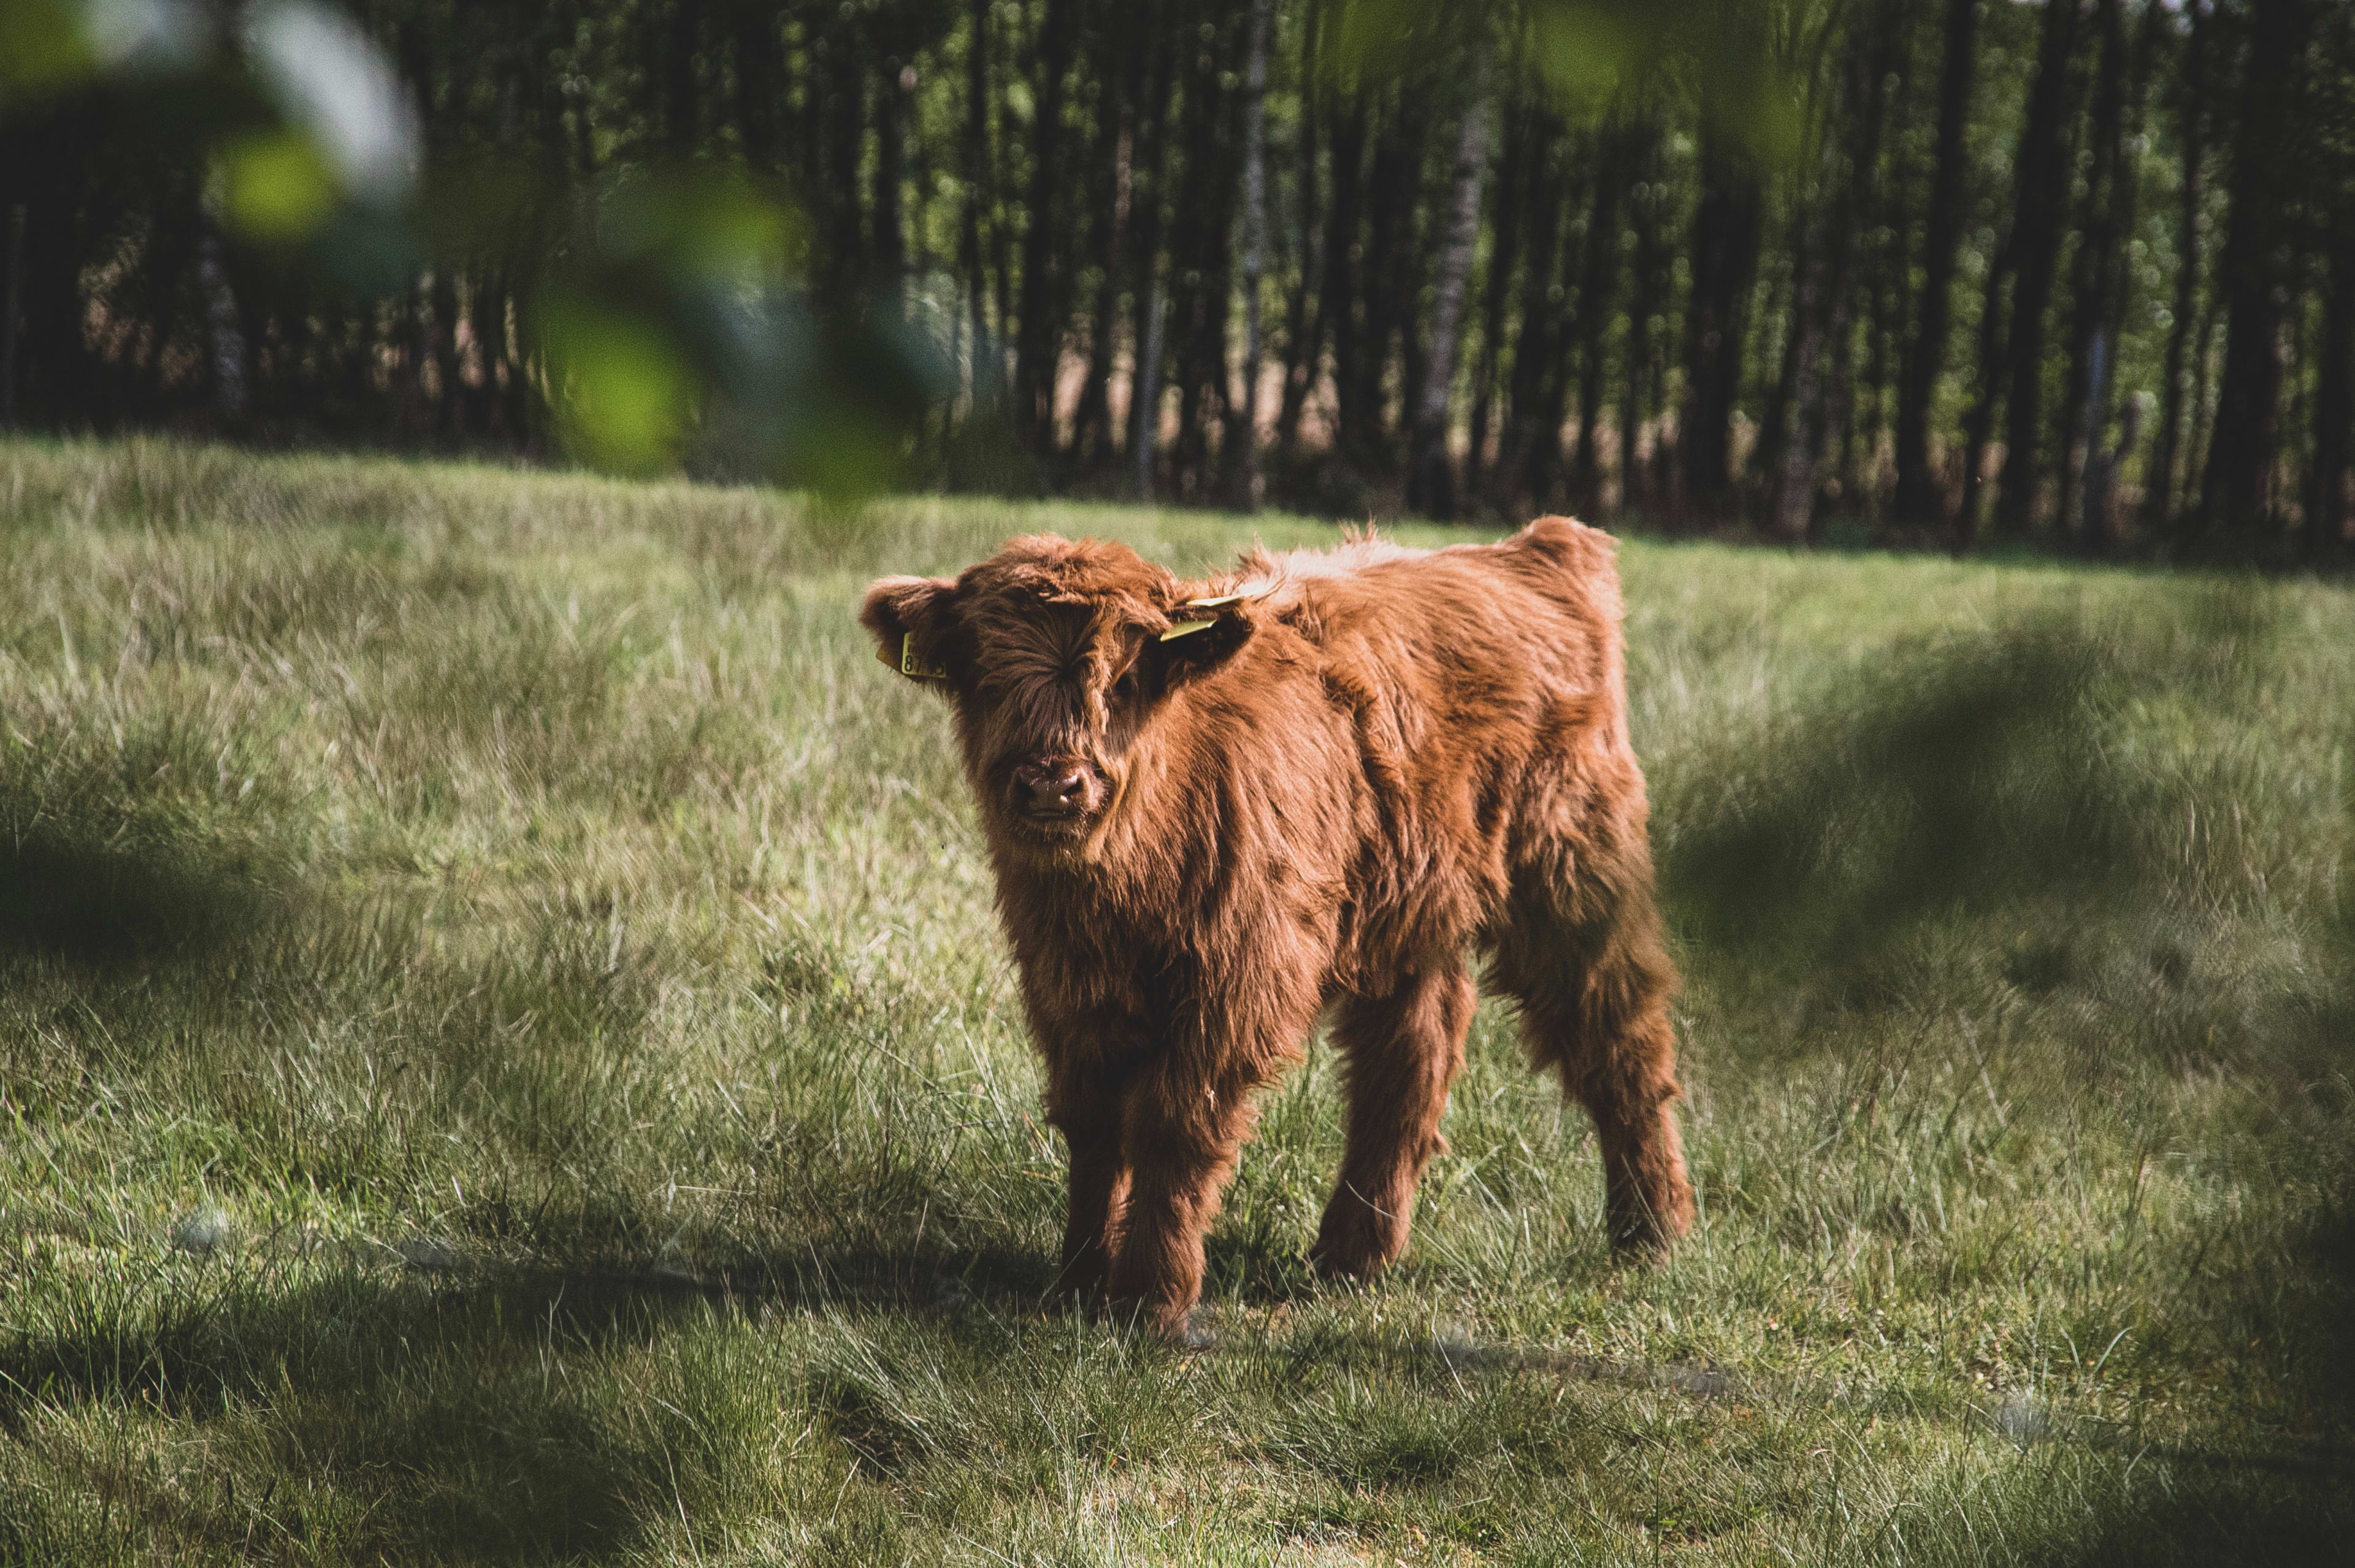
(624, 393)
(276, 188)
(42, 50)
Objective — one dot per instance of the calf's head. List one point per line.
(1059, 656)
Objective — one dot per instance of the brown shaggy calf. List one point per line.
(1317, 782)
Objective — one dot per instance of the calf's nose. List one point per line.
(1052, 784)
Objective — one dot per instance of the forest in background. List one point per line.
(2079, 273)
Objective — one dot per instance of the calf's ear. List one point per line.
(1195, 644)
(914, 620)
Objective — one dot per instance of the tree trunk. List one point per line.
(2233, 500)
(1531, 460)
(1389, 275)
(1725, 233)
(1147, 397)
(1341, 298)
(1643, 304)
(1917, 487)
(758, 68)
(846, 133)
(2096, 533)
(224, 335)
(1595, 287)
(1979, 424)
(2160, 482)
(1038, 333)
(2084, 409)
(1794, 478)
(2334, 398)
(486, 318)
(1775, 419)
(1115, 162)
(1144, 378)
(11, 311)
(1431, 479)
(1201, 263)
(1504, 251)
(1242, 464)
(445, 299)
(2043, 167)
(986, 373)
(1303, 337)
(891, 150)
(1822, 308)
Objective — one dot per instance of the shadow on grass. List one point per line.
(423, 1420)
(2276, 1496)
(1957, 778)
(1957, 784)
(112, 905)
(492, 1415)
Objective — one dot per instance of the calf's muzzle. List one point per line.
(1057, 788)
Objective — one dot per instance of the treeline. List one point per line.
(2077, 271)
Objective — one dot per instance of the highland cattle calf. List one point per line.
(1317, 782)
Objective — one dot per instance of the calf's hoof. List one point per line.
(1166, 1321)
(1646, 1232)
(1077, 1288)
(1356, 1241)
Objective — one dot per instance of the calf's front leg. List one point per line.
(1086, 1109)
(1181, 1144)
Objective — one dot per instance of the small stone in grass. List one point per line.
(2020, 1418)
(202, 1230)
(429, 1253)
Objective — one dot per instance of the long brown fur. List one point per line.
(1374, 764)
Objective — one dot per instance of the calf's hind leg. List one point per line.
(1401, 1051)
(1594, 999)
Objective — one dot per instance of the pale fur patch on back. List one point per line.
(1262, 574)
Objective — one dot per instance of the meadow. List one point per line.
(506, 1055)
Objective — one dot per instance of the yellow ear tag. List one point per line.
(1188, 628)
(911, 664)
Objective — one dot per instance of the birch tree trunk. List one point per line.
(1244, 465)
(224, 338)
(1431, 486)
(2159, 485)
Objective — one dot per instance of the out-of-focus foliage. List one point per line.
(661, 302)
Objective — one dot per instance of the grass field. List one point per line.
(506, 1055)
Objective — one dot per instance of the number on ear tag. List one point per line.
(913, 665)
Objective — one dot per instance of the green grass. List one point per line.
(506, 1055)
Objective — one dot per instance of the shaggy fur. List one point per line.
(1375, 763)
